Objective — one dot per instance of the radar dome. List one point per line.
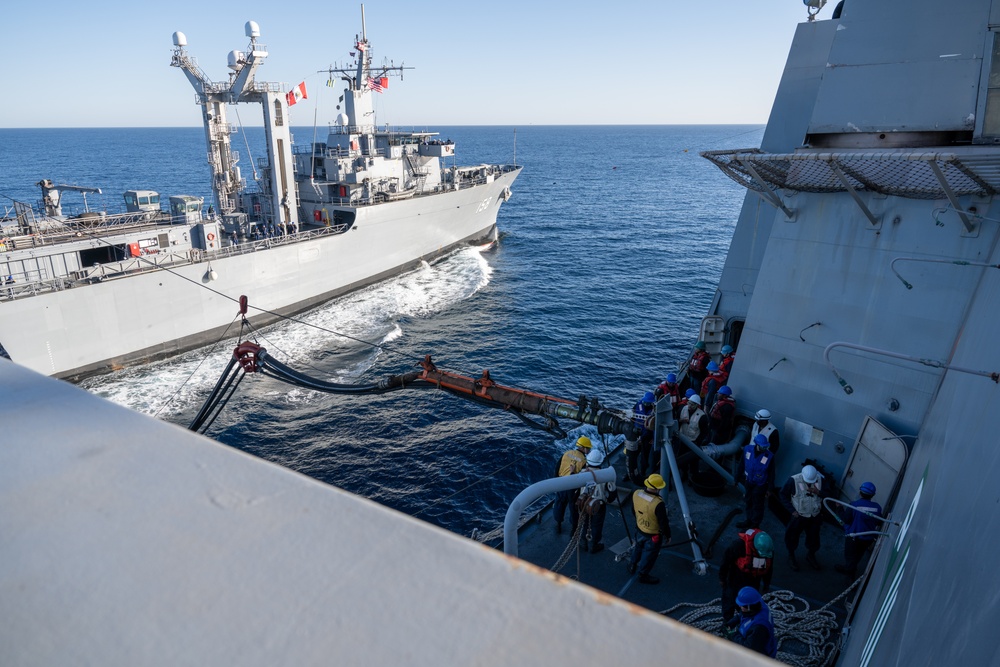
(180, 39)
(235, 58)
(252, 29)
(342, 120)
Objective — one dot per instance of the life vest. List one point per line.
(750, 563)
(644, 505)
(720, 403)
(726, 364)
(639, 414)
(672, 391)
(600, 491)
(766, 431)
(691, 428)
(706, 385)
(699, 362)
(762, 617)
(756, 467)
(805, 502)
(594, 496)
(571, 463)
(863, 518)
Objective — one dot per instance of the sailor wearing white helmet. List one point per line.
(593, 505)
(762, 424)
(693, 421)
(802, 495)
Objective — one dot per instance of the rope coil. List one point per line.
(817, 632)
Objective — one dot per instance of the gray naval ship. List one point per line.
(318, 221)
(860, 295)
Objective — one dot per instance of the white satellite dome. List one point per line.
(342, 119)
(235, 57)
(252, 29)
(180, 39)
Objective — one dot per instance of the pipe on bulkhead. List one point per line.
(739, 441)
(933, 363)
(539, 489)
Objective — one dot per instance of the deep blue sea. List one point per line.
(610, 250)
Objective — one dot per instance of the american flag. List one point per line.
(378, 85)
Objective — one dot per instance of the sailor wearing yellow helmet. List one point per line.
(571, 463)
(653, 528)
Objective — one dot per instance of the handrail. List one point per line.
(156, 262)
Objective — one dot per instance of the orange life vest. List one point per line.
(745, 563)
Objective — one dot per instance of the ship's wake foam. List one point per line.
(337, 341)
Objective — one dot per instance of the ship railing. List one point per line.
(21, 290)
(52, 231)
(265, 87)
(132, 266)
(34, 283)
(253, 245)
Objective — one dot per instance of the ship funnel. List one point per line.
(180, 39)
(252, 29)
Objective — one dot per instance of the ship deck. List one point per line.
(681, 592)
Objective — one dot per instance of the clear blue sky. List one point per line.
(515, 62)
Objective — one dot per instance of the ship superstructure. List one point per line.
(860, 291)
(277, 184)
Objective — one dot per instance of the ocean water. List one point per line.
(609, 253)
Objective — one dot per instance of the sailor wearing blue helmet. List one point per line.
(756, 472)
(860, 527)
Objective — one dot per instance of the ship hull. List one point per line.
(95, 328)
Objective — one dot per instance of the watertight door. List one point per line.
(713, 330)
(879, 457)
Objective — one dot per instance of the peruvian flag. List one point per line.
(297, 93)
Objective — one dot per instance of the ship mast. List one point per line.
(362, 79)
(279, 186)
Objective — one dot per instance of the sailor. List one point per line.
(802, 495)
(711, 383)
(593, 505)
(572, 462)
(762, 425)
(756, 629)
(698, 366)
(748, 561)
(669, 389)
(637, 451)
(726, 362)
(693, 421)
(756, 472)
(722, 416)
(652, 526)
(860, 525)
